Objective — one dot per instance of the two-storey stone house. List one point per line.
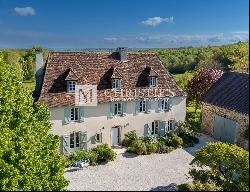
(149, 111)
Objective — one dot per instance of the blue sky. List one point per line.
(132, 23)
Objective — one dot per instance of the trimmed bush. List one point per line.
(174, 140)
(78, 156)
(129, 138)
(105, 153)
(140, 147)
(184, 187)
(151, 147)
(93, 158)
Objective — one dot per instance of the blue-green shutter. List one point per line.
(170, 104)
(137, 106)
(93, 139)
(148, 106)
(159, 104)
(149, 128)
(67, 115)
(81, 114)
(124, 108)
(112, 110)
(162, 128)
(83, 140)
(65, 144)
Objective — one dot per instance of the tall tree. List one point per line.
(29, 153)
(202, 80)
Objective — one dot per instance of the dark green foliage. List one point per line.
(185, 187)
(150, 144)
(184, 131)
(29, 153)
(95, 156)
(129, 138)
(174, 140)
(246, 133)
(228, 167)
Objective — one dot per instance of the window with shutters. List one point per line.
(75, 140)
(142, 106)
(74, 114)
(155, 128)
(116, 84)
(170, 126)
(152, 82)
(118, 109)
(71, 86)
(164, 104)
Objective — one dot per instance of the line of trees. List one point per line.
(177, 60)
(226, 57)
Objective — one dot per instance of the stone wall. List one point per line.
(207, 121)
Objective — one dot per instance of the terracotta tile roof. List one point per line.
(230, 91)
(97, 69)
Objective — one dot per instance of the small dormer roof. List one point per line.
(116, 74)
(152, 73)
(71, 75)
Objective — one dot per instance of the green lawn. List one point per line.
(182, 79)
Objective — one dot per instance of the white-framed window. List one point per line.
(116, 84)
(118, 109)
(74, 114)
(155, 127)
(170, 125)
(152, 82)
(75, 140)
(142, 106)
(71, 86)
(164, 104)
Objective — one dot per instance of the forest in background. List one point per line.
(232, 57)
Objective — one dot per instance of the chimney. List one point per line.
(38, 74)
(122, 53)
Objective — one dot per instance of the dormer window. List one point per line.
(71, 86)
(115, 79)
(71, 80)
(152, 82)
(152, 77)
(116, 84)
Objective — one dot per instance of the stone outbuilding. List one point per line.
(225, 108)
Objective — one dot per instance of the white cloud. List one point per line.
(153, 21)
(115, 39)
(25, 11)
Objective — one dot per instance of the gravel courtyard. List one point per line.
(139, 173)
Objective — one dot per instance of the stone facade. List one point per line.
(241, 119)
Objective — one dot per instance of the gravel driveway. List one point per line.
(139, 173)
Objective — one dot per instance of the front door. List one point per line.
(115, 136)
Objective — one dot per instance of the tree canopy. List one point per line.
(29, 153)
(223, 166)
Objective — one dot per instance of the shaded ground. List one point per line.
(156, 172)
